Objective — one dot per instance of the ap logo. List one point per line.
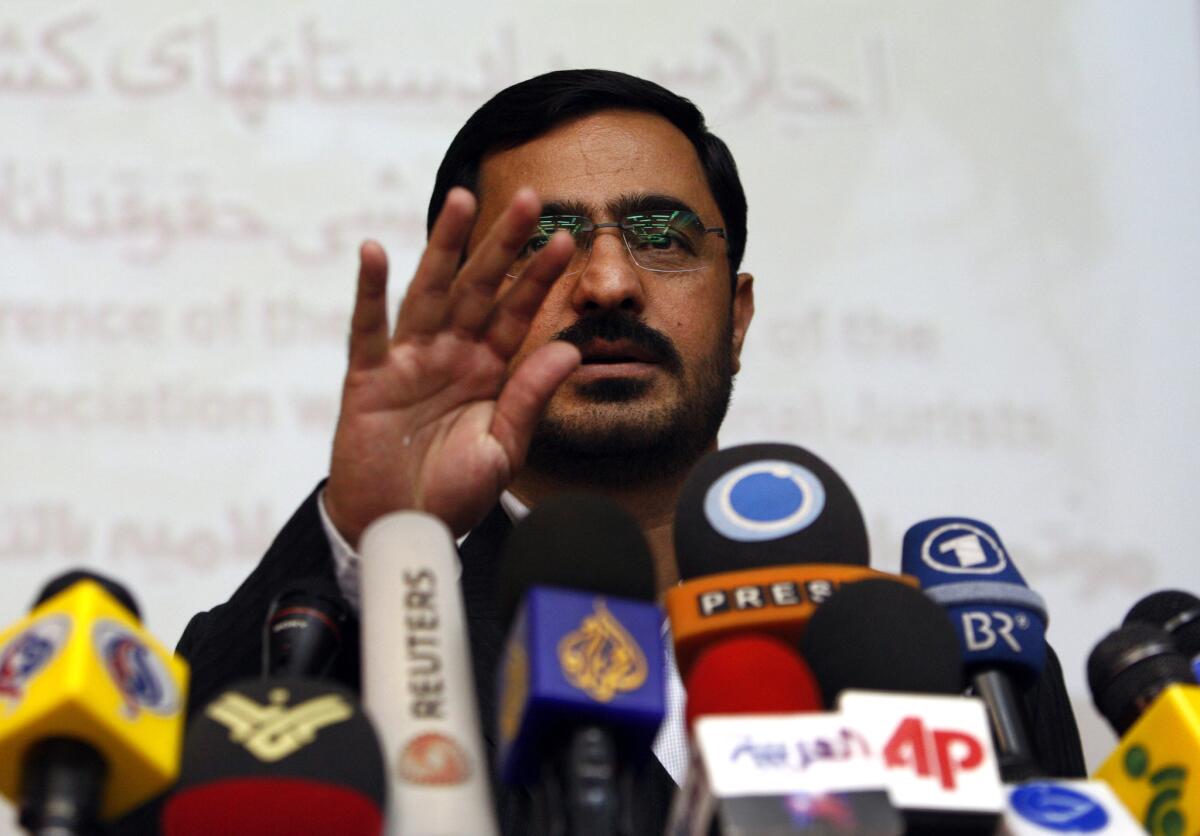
(960, 548)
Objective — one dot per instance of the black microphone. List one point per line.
(582, 683)
(305, 629)
(1178, 613)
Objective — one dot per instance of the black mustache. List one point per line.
(614, 326)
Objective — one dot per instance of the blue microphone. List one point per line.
(1001, 623)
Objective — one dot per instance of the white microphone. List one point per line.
(1048, 806)
(417, 682)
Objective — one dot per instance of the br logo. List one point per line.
(1162, 816)
(135, 669)
(1058, 808)
(960, 548)
(29, 652)
(764, 500)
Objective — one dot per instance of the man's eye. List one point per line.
(533, 245)
(666, 240)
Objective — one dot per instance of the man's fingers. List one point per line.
(426, 302)
(369, 322)
(511, 316)
(525, 395)
(474, 292)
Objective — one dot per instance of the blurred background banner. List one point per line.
(975, 231)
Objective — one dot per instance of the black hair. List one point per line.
(530, 108)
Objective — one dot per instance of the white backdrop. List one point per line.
(973, 226)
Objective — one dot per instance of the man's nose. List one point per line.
(609, 279)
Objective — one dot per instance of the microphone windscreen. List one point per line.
(1175, 611)
(279, 756)
(68, 579)
(881, 635)
(750, 674)
(1129, 668)
(306, 627)
(765, 505)
(576, 541)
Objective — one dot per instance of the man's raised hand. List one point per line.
(430, 418)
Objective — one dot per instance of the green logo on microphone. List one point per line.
(1163, 816)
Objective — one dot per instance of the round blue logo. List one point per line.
(960, 548)
(29, 653)
(1058, 808)
(135, 669)
(764, 500)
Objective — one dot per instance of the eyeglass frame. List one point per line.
(589, 228)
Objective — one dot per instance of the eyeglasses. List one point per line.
(667, 241)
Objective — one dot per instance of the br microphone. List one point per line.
(417, 680)
(1145, 688)
(764, 533)
(1001, 623)
(288, 754)
(93, 707)
(581, 683)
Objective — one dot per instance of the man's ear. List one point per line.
(743, 312)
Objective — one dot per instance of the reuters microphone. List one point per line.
(417, 680)
(93, 707)
(1001, 623)
(1144, 687)
(764, 533)
(581, 685)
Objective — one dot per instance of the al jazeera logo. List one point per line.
(1162, 816)
(600, 658)
(273, 731)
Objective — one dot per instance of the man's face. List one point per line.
(659, 349)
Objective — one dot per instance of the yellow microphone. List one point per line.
(91, 707)
(1144, 686)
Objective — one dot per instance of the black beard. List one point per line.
(645, 448)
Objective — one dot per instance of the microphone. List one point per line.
(288, 754)
(582, 685)
(1178, 613)
(1145, 688)
(417, 681)
(744, 694)
(879, 636)
(1043, 807)
(305, 628)
(1000, 622)
(764, 533)
(93, 706)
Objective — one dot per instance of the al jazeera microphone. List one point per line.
(1000, 622)
(93, 707)
(581, 684)
(1144, 687)
(417, 681)
(764, 533)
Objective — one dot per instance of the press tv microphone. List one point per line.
(763, 534)
(1178, 613)
(1144, 687)
(581, 682)
(289, 754)
(891, 640)
(1001, 623)
(92, 707)
(305, 629)
(417, 680)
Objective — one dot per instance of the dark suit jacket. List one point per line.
(225, 644)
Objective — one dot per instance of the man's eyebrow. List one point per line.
(636, 203)
(565, 207)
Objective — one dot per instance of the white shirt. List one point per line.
(670, 747)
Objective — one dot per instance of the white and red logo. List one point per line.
(135, 669)
(434, 759)
(29, 653)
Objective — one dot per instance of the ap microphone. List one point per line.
(582, 682)
(764, 533)
(1144, 687)
(1000, 622)
(417, 680)
(1178, 613)
(93, 707)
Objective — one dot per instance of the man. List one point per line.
(575, 322)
